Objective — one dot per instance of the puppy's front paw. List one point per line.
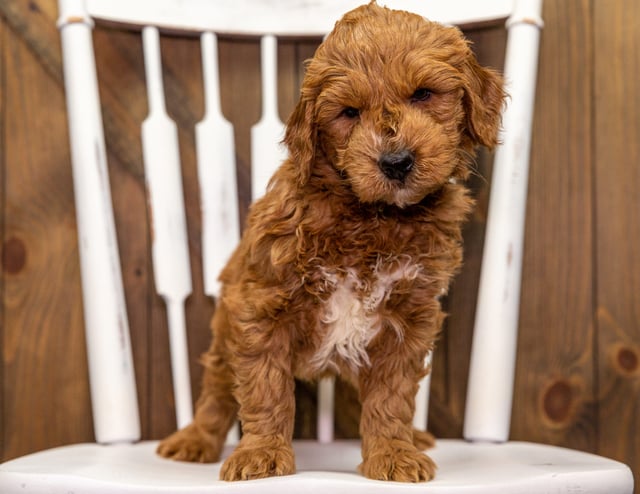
(397, 461)
(189, 444)
(258, 461)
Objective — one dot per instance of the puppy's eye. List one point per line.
(350, 112)
(421, 94)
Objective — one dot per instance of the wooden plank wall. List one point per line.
(616, 177)
(578, 373)
(557, 383)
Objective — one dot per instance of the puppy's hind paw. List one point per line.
(423, 440)
(400, 464)
(189, 444)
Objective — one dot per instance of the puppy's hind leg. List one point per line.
(216, 409)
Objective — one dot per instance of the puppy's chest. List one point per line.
(350, 318)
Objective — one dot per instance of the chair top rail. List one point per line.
(257, 17)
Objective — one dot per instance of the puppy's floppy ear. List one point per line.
(484, 99)
(300, 137)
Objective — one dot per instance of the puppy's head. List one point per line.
(396, 104)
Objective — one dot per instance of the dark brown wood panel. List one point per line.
(241, 100)
(4, 257)
(616, 140)
(45, 390)
(555, 388)
(35, 22)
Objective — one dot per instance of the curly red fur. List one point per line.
(342, 264)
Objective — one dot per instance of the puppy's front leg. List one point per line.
(387, 391)
(265, 391)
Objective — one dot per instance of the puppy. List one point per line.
(343, 261)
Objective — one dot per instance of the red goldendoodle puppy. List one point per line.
(343, 261)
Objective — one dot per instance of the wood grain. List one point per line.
(241, 100)
(45, 389)
(555, 388)
(616, 140)
(35, 22)
(5, 259)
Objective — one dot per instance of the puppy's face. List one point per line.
(396, 104)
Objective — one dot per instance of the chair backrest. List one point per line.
(108, 346)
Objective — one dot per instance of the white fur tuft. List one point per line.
(351, 314)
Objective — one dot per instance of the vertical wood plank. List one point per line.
(241, 100)
(35, 22)
(617, 235)
(555, 388)
(45, 389)
(291, 57)
(4, 260)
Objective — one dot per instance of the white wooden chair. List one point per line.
(485, 462)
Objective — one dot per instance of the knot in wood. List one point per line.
(14, 256)
(558, 402)
(627, 361)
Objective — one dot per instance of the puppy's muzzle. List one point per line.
(396, 166)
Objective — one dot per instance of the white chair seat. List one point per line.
(509, 468)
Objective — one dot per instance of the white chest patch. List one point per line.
(351, 314)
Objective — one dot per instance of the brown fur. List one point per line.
(340, 269)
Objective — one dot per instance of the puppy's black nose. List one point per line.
(396, 166)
